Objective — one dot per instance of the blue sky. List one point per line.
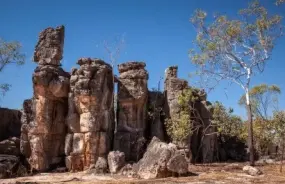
(157, 32)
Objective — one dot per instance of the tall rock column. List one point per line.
(90, 117)
(132, 113)
(44, 133)
(173, 88)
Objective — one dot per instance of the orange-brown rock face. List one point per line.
(43, 121)
(132, 117)
(90, 114)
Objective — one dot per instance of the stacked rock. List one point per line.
(43, 126)
(90, 115)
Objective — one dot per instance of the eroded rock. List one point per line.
(155, 160)
(10, 146)
(90, 115)
(43, 123)
(253, 171)
(178, 163)
(49, 49)
(132, 117)
(10, 125)
(116, 160)
(11, 166)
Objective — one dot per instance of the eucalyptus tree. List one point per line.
(10, 53)
(235, 49)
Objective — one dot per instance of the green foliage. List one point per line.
(262, 98)
(226, 122)
(279, 126)
(179, 128)
(9, 54)
(234, 49)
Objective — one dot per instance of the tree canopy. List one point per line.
(262, 97)
(10, 53)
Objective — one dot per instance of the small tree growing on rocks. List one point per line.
(235, 50)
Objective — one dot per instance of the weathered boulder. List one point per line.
(90, 114)
(49, 49)
(10, 124)
(131, 116)
(178, 163)
(10, 146)
(43, 123)
(160, 160)
(116, 160)
(11, 166)
(129, 171)
(253, 171)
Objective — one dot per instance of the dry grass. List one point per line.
(219, 173)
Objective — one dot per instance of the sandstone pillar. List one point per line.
(43, 128)
(132, 117)
(90, 114)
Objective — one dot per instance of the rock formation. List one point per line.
(11, 166)
(116, 160)
(43, 126)
(131, 117)
(90, 117)
(161, 160)
(202, 144)
(10, 125)
(173, 89)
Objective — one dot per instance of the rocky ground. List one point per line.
(202, 174)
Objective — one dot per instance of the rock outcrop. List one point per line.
(11, 166)
(132, 113)
(90, 117)
(174, 87)
(43, 125)
(10, 146)
(202, 144)
(161, 160)
(10, 125)
(116, 160)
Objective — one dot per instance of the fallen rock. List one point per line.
(101, 165)
(154, 162)
(116, 160)
(178, 163)
(129, 171)
(253, 171)
(10, 166)
(10, 146)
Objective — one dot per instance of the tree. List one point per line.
(279, 131)
(227, 123)
(113, 51)
(262, 98)
(235, 50)
(9, 54)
